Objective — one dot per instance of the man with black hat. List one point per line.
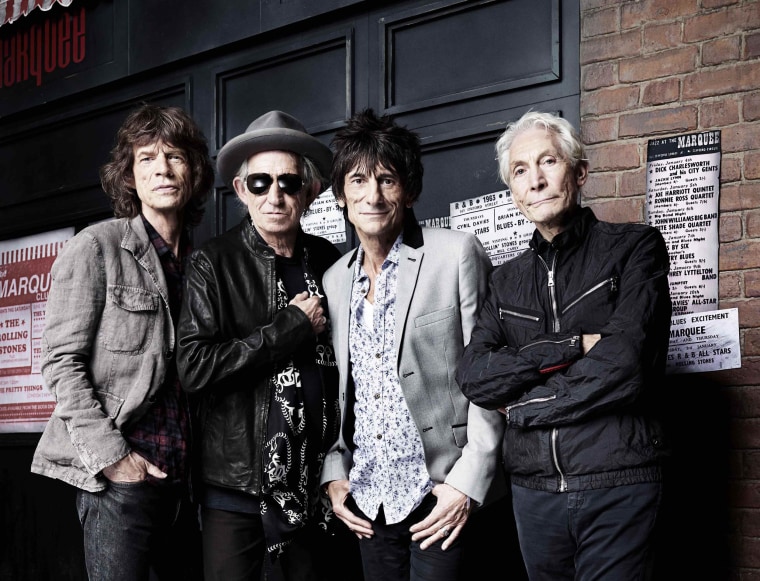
(254, 348)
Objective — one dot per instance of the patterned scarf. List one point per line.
(292, 463)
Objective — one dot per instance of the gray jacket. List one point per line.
(108, 338)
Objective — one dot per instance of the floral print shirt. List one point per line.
(389, 462)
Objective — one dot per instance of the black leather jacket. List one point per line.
(229, 337)
(576, 422)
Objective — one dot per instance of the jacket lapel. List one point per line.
(342, 314)
(410, 262)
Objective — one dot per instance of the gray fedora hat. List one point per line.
(274, 130)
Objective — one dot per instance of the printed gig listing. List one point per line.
(683, 186)
(25, 404)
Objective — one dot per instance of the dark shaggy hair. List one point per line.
(143, 126)
(368, 141)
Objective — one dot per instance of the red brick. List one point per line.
(614, 156)
(721, 51)
(743, 137)
(730, 197)
(747, 552)
(745, 434)
(606, 101)
(749, 312)
(622, 211)
(747, 374)
(753, 223)
(612, 46)
(598, 75)
(658, 121)
(590, 5)
(752, 283)
(661, 64)
(735, 464)
(729, 285)
(739, 196)
(600, 185)
(751, 107)
(740, 255)
(749, 524)
(635, 14)
(659, 36)
(718, 113)
(752, 165)
(722, 22)
(742, 402)
(730, 228)
(721, 81)
(742, 574)
(749, 195)
(730, 168)
(751, 466)
(745, 493)
(661, 92)
(599, 130)
(718, 3)
(752, 46)
(751, 343)
(600, 22)
(633, 183)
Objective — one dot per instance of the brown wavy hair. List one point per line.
(147, 124)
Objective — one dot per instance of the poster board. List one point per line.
(25, 404)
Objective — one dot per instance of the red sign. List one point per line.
(31, 51)
(11, 10)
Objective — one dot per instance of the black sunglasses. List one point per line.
(259, 183)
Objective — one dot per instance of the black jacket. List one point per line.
(230, 335)
(576, 422)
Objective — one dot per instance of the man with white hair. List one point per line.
(571, 346)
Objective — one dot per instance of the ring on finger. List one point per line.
(445, 531)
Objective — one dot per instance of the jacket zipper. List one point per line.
(555, 459)
(503, 312)
(552, 291)
(612, 282)
(556, 327)
(522, 403)
(571, 340)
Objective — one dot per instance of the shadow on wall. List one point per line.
(42, 539)
(693, 542)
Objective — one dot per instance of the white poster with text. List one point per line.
(683, 186)
(496, 221)
(25, 404)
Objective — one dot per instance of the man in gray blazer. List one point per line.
(413, 457)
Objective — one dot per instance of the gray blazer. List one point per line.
(443, 277)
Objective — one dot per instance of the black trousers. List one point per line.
(391, 555)
(236, 551)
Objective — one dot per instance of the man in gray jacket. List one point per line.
(120, 431)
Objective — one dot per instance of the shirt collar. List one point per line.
(393, 257)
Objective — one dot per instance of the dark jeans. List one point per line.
(391, 555)
(590, 535)
(133, 528)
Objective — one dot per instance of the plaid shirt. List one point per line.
(162, 435)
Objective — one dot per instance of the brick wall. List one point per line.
(666, 67)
